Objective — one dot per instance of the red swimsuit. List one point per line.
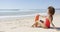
(47, 23)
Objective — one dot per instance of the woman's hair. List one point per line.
(51, 10)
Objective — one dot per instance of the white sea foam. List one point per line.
(22, 15)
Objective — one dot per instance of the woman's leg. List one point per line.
(42, 24)
(35, 24)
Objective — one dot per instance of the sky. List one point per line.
(28, 4)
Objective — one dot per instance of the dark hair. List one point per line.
(51, 10)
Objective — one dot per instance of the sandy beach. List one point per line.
(23, 24)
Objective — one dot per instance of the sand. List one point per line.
(23, 24)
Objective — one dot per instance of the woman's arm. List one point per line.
(51, 22)
(53, 25)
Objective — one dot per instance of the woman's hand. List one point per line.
(54, 27)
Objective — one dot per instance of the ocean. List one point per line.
(23, 12)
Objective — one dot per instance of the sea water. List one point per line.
(22, 12)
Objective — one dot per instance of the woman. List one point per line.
(49, 19)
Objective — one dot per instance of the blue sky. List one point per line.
(28, 4)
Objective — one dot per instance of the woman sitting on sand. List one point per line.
(49, 19)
